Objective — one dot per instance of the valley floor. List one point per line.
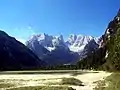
(19, 79)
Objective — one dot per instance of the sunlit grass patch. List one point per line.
(7, 85)
(71, 81)
(113, 82)
(43, 88)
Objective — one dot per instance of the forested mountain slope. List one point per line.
(107, 57)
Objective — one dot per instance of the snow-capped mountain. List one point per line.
(55, 48)
(48, 41)
(76, 43)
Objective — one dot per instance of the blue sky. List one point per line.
(22, 18)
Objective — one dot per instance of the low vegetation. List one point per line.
(43, 88)
(71, 81)
(7, 85)
(113, 82)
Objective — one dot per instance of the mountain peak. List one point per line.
(74, 42)
(3, 33)
(60, 38)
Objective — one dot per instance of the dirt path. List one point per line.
(89, 78)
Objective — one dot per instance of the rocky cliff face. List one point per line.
(110, 31)
(77, 43)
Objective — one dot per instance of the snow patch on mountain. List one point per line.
(75, 43)
(76, 49)
(50, 48)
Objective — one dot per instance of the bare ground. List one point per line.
(42, 79)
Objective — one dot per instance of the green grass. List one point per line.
(43, 88)
(71, 81)
(7, 85)
(113, 82)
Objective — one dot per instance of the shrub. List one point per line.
(71, 81)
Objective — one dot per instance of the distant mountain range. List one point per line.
(54, 50)
(43, 50)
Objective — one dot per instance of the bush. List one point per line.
(71, 81)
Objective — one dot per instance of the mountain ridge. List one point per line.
(73, 41)
(54, 48)
(16, 56)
